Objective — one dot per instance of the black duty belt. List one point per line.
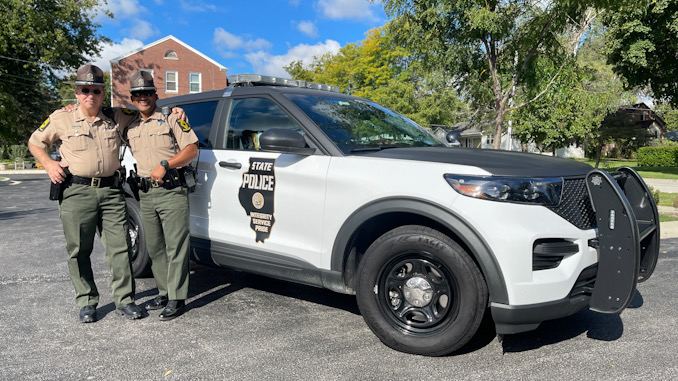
(166, 183)
(96, 182)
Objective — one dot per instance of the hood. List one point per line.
(499, 163)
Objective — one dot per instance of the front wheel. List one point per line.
(420, 292)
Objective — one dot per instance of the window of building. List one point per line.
(171, 84)
(171, 55)
(195, 83)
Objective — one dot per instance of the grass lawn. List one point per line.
(668, 173)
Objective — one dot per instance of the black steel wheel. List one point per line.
(420, 292)
(141, 263)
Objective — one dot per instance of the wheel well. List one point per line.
(377, 226)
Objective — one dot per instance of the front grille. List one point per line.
(575, 205)
(585, 281)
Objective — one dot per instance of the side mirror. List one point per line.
(453, 138)
(284, 140)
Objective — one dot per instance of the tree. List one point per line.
(38, 39)
(490, 48)
(379, 70)
(642, 42)
(574, 107)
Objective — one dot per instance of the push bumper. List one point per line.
(628, 236)
(628, 247)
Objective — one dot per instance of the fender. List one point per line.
(477, 245)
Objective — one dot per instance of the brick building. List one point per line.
(177, 69)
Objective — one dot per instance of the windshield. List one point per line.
(356, 125)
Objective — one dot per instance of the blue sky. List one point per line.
(256, 36)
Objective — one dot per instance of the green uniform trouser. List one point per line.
(82, 209)
(165, 215)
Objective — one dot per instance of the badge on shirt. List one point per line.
(44, 125)
(184, 126)
(160, 122)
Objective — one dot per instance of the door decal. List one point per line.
(256, 196)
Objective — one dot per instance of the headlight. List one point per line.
(541, 191)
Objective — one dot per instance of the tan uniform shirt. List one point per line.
(151, 142)
(90, 148)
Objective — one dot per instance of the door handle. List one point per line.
(229, 164)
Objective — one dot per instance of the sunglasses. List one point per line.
(147, 93)
(86, 91)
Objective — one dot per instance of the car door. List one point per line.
(264, 207)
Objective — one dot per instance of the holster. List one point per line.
(56, 190)
(133, 180)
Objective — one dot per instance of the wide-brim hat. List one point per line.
(88, 75)
(141, 80)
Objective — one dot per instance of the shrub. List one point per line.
(18, 151)
(658, 156)
(675, 201)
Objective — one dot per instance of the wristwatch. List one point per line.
(165, 164)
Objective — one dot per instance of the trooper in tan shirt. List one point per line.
(163, 146)
(90, 142)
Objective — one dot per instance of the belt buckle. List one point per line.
(155, 184)
(96, 181)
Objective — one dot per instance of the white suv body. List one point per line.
(302, 185)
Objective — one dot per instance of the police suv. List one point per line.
(300, 182)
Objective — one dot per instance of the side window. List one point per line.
(249, 118)
(200, 116)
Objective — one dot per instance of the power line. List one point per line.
(16, 76)
(19, 60)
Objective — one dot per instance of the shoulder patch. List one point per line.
(128, 111)
(44, 125)
(184, 126)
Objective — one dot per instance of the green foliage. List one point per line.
(39, 38)
(18, 151)
(658, 156)
(642, 41)
(575, 105)
(378, 69)
(493, 49)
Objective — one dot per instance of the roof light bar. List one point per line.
(257, 79)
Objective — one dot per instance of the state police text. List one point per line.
(258, 182)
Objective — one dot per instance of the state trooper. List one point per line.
(163, 146)
(91, 180)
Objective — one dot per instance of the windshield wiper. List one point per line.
(371, 149)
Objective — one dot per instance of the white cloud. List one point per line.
(114, 50)
(347, 9)
(308, 28)
(123, 9)
(197, 6)
(222, 37)
(268, 64)
(227, 42)
(143, 30)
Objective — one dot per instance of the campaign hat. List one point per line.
(88, 75)
(141, 80)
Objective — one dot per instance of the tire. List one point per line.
(420, 292)
(141, 263)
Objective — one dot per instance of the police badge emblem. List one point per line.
(140, 81)
(89, 77)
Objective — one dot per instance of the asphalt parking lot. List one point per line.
(244, 327)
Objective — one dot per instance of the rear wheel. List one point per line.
(420, 292)
(141, 264)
